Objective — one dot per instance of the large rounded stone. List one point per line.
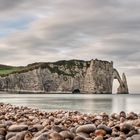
(17, 128)
(88, 128)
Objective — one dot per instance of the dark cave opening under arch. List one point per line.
(75, 91)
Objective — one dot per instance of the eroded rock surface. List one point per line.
(93, 76)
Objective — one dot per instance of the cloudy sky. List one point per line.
(50, 30)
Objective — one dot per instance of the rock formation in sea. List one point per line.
(72, 76)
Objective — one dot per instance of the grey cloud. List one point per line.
(9, 4)
(82, 29)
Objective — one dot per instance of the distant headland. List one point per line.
(71, 76)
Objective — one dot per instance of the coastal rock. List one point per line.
(73, 76)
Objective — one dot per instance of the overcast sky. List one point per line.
(50, 30)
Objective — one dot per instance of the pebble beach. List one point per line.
(24, 123)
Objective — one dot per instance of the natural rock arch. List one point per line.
(123, 88)
(94, 76)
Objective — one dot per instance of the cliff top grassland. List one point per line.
(4, 69)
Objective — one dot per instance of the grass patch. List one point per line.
(8, 70)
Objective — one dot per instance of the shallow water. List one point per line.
(83, 103)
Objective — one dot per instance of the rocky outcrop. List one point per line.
(123, 88)
(93, 76)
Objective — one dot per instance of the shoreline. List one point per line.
(41, 92)
(23, 123)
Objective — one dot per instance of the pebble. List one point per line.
(56, 136)
(43, 136)
(10, 135)
(88, 128)
(136, 137)
(100, 132)
(66, 134)
(82, 134)
(2, 137)
(106, 128)
(99, 138)
(23, 123)
(79, 138)
(126, 128)
(17, 128)
(2, 131)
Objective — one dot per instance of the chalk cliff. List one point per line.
(93, 76)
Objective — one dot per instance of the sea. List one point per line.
(85, 103)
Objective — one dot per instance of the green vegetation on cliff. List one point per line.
(67, 64)
(4, 69)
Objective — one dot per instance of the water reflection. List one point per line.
(119, 104)
(83, 103)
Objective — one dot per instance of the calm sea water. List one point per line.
(83, 103)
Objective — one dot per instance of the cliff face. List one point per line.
(93, 76)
